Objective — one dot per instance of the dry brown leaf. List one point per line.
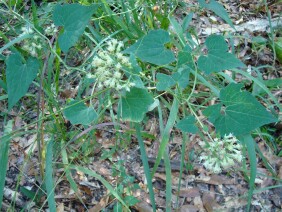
(174, 179)
(189, 192)
(231, 203)
(100, 168)
(160, 201)
(18, 122)
(85, 189)
(199, 204)
(61, 207)
(208, 201)
(152, 126)
(269, 155)
(143, 207)
(177, 140)
(215, 180)
(107, 143)
(280, 171)
(29, 144)
(14, 196)
(188, 208)
(102, 204)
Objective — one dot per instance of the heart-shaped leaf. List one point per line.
(74, 18)
(78, 113)
(19, 77)
(218, 58)
(135, 104)
(239, 112)
(185, 58)
(187, 124)
(182, 76)
(150, 48)
(132, 73)
(218, 9)
(164, 81)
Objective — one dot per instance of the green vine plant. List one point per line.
(137, 59)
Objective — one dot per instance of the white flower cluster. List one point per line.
(108, 65)
(31, 46)
(26, 30)
(51, 30)
(34, 45)
(221, 154)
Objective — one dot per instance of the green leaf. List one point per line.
(240, 112)
(2, 57)
(49, 176)
(218, 9)
(250, 144)
(278, 49)
(136, 69)
(66, 167)
(213, 112)
(151, 48)
(186, 21)
(185, 58)
(177, 29)
(187, 124)
(131, 200)
(135, 104)
(118, 207)
(258, 42)
(4, 156)
(166, 133)
(218, 58)
(168, 179)
(29, 193)
(272, 83)
(182, 76)
(145, 163)
(78, 113)
(19, 77)
(3, 85)
(133, 72)
(74, 18)
(164, 81)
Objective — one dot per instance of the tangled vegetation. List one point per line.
(71, 69)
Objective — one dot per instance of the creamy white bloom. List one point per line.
(97, 62)
(117, 75)
(51, 30)
(118, 66)
(31, 45)
(217, 168)
(125, 60)
(108, 66)
(221, 154)
(111, 48)
(27, 30)
(33, 52)
(119, 56)
(120, 45)
(112, 83)
(39, 46)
